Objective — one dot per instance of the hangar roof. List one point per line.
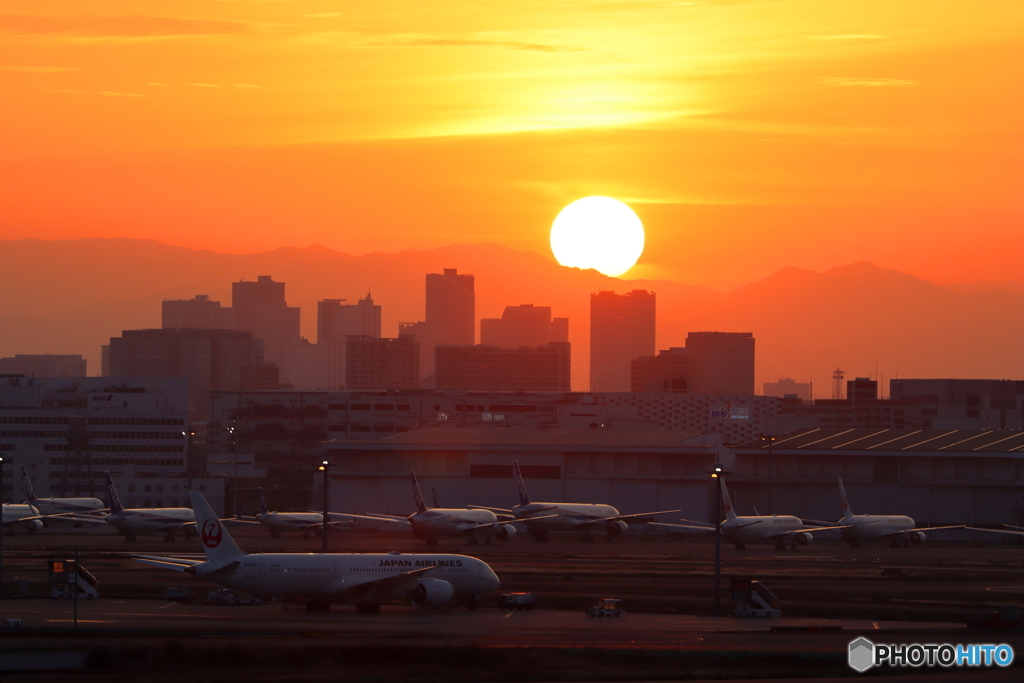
(863, 439)
(528, 437)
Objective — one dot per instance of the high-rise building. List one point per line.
(44, 365)
(199, 313)
(723, 362)
(668, 372)
(260, 307)
(450, 316)
(337, 320)
(209, 359)
(524, 325)
(373, 363)
(490, 368)
(621, 329)
(788, 387)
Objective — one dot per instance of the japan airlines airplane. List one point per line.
(585, 517)
(280, 522)
(430, 523)
(134, 522)
(51, 506)
(367, 580)
(896, 529)
(740, 530)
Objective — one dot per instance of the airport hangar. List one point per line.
(937, 477)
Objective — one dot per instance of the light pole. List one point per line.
(2, 530)
(324, 467)
(718, 538)
(188, 454)
(771, 466)
(234, 494)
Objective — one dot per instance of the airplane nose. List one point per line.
(492, 580)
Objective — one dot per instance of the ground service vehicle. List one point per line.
(516, 601)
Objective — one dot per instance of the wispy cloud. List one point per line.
(204, 85)
(322, 15)
(95, 27)
(41, 69)
(848, 36)
(247, 85)
(460, 42)
(865, 82)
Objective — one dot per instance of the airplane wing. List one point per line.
(819, 522)
(376, 518)
(904, 532)
(998, 531)
(787, 534)
(687, 527)
(174, 563)
(639, 514)
(390, 586)
(508, 521)
(484, 507)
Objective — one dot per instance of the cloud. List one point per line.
(247, 85)
(322, 15)
(204, 85)
(414, 41)
(41, 69)
(848, 36)
(865, 82)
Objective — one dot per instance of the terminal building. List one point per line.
(68, 431)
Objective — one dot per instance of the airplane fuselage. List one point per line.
(761, 529)
(279, 522)
(561, 516)
(439, 522)
(336, 578)
(12, 514)
(56, 506)
(138, 521)
(868, 527)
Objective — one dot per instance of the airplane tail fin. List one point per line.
(434, 491)
(421, 506)
(30, 493)
(113, 502)
(217, 542)
(263, 503)
(524, 497)
(844, 502)
(730, 513)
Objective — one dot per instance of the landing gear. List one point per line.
(367, 608)
(318, 607)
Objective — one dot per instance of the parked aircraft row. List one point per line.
(366, 580)
(787, 529)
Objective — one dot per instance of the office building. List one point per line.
(621, 329)
(199, 313)
(44, 365)
(958, 403)
(68, 431)
(722, 362)
(450, 316)
(789, 387)
(260, 307)
(374, 363)
(667, 372)
(208, 359)
(490, 368)
(337, 320)
(524, 325)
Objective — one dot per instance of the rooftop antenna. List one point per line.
(837, 384)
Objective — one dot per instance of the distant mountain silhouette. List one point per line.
(70, 296)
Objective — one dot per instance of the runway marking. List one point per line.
(875, 624)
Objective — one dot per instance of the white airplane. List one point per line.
(138, 521)
(585, 517)
(280, 522)
(13, 515)
(896, 529)
(52, 506)
(430, 523)
(740, 530)
(430, 580)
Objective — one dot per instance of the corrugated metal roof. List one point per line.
(545, 438)
(928, 440)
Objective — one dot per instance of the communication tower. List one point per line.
(837, 384)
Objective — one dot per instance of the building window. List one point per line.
(131, 488)
(147, 488)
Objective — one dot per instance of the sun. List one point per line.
(600, 233)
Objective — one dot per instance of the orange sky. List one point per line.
(747, 135)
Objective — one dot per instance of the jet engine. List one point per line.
(804, 539)
(505, 532)
(33, 525)
(433, 593)
(617, 528)
(916, 537)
